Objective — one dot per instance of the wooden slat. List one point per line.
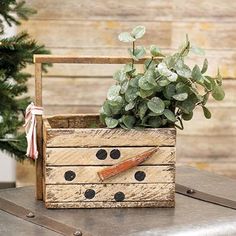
(184, 10)
(55, 92)
(203, 148)
(222, 122)
(133, 192)
(110, 137)
(85, 59)
(164, 34)
(88, 174)
(39, 128)
(205, 34)
(109, 205)
(93, 33)
(87, 156)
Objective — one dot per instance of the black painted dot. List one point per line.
(89, 193)
(140, 175)
(101, 154)
(115, 154)
(69, 175)
(119, 196)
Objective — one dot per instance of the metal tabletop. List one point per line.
(189, 217)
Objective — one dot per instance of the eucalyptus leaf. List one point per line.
(138, 32)
(126, 37)
(205, 66)
(130, 106)
(197, 75)
(110, 122)
(155, 51)
(156, 105)
(206, 112)
(187, 116)
(180, 96)
(131, 94)
(119, 75)
(128, 121)
(142, 110)
(137, 53)
(218, 93)
(169, 115)
(113, 92)
(144, 84)
(155, 122)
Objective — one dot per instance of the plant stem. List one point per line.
(133, 54)
(149, 63)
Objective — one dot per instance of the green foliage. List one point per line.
(164, 94)
(15, 54)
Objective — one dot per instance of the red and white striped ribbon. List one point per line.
(30, 129)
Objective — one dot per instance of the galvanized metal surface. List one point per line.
(190, 217)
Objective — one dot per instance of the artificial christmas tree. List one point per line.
(15, 54)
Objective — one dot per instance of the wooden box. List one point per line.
(75, 152)
(74, 148)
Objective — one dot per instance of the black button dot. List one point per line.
(69, 175)
(89, 193)
(140, 175)
(119, 196)
(115, 154)
(101, 154)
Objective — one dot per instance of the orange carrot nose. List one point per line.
(125, 165)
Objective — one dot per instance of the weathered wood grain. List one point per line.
(109, 204)
(39, 128)
(203, 148)
(205, 34)
(106, 192)
(90, 33)
(56, 92)
(100, 33)
(184, 10)
(222, 122)
(88, 174)
(87, 156)
(110, 137)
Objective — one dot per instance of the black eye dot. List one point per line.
(101, 154)
(69, 175)
(140, 175)
(115, 154)
(119, 196)
(89, 193)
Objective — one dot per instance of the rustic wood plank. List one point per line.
(87, 156)
(203, 148)
(100, 10)
(56, 92)
(132, 192)
(184, 10)
(109, 205)
(88, 174)
(90, 33)
(204, 34)
(86, 59)
(217, 125)
(110, 137)
(39, 128)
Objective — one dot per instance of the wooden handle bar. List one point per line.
(116, 169)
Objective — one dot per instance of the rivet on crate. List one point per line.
(119, 196)
(115, 154)
(140, 175)
(101, 154)
(69, 175)
(89, 193)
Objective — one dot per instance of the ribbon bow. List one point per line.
(30, 129)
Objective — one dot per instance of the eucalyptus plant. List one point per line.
(164, 93)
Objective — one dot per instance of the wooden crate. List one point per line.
(74, 148)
